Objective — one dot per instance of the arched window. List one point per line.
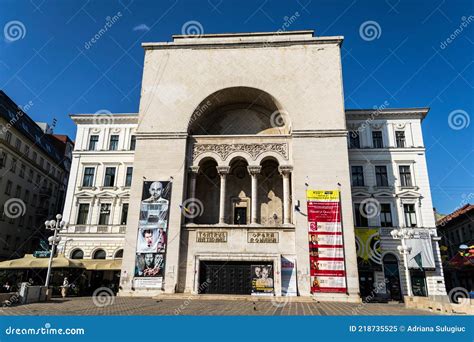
(99, 254)
(77, 254)
(118, 254)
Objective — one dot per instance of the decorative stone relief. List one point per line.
(254, 150)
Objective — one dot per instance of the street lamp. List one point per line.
(56, 226)
(402, 235)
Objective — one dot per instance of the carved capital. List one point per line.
(254, 169)
(285, 170)
(194, 169)
(223, 170)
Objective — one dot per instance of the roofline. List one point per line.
(105, 117)
(242, 34)
(410, 111)
(205, 41)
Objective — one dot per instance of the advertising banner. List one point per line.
(288, 275)
(262, 279)
(152, 234)
(326, 246)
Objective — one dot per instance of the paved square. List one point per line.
(191, 305)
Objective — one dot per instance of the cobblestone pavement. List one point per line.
(195, 306)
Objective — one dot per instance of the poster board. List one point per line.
(152, 234)
(326, 246)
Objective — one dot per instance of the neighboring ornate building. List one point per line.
(456, 231)
(233, 133)
(96, 207)
(34, 172)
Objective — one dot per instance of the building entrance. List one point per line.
(233, 277)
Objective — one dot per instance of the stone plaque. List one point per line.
(211, 237)
(262, 237)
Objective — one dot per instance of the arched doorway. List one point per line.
(392, 277)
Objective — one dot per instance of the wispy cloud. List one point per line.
(141, 27)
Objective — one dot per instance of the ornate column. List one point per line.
(285, 171)
(254, 171)
(193, 172)
(223, 171)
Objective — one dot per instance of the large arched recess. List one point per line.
(237, 111)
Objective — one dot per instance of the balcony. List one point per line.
(95, 229)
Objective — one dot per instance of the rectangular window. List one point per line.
(18, 144)
(27, 196)
(83, 213)
(35, 155)
(27, 150)
(8, 137)
(124, 216)
(133, 142)
(22, 171)
(128, 177)
(18, 191)
(93, 141)
(400, 137)
(3, 160)
(381, 175)
(354, 139)
(30, 175)
(13, 165)
(405, 175)
(113, 144)
(410, 215)
(385, 215)
(377, 139)
(360, 219)
(88, 179)
(104, 215)
(8, 188)
(109, 179)
(357, 176)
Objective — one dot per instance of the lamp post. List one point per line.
(402, 235)
(56, 226)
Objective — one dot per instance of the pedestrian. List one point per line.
(64, 287)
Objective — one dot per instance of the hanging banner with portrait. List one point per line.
(262, 279)
(152, 234)
(326, 247)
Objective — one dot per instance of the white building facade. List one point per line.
(232, 132)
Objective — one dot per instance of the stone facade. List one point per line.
(242, 125)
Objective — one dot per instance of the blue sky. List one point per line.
(408, 62)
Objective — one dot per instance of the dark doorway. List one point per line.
(392, 277)
(240, 215)
(366, 283)
(225, 277)
(418, 283)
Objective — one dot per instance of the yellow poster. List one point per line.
(368, 245)
(322, 195)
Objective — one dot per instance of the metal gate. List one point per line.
(225, 277)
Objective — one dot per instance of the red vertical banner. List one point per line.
(326, 247)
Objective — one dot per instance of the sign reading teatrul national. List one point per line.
(326, 248)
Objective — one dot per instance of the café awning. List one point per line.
(102, 265)
(29, 261)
